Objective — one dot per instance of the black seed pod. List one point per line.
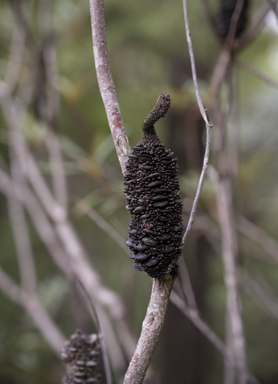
(226, 11)
(83, 359)
(153, 200)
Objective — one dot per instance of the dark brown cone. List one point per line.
(153, 200)
(82, 356)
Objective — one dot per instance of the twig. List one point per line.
(206, 120)
(57, 168)
(36, 311)
(103, 224)
(13, 113)
(14, 62)
(256, 291)
(194, 317)
(186, 285)
(151, 329)
(51, 75)
(256, 72)
(93, 310)
(106, 84)
(259, 236)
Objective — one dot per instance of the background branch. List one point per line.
(36, 311)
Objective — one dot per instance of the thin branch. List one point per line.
(151, 329)
(194, 317)
(83, 207)
(22, 244)
(73, 261)
(36, 311)
(19, 224)
(51, 75)
(13, 113)
(105, 82)
(14, 61)
(258, 293)
(258, 236)
(186, 284)
(39, 219)
(94, 313)
(206, 120)
(256, 72)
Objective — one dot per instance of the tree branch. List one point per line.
(105, 82)
(208, 123)
(34, 308)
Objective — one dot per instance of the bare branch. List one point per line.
(14, 62)
(186, 284)
(229, 251)
(94, 314)
(36, 311)
(258, 293)
(13, 112)
(106, 84)
(23, 244)
(103, 224)
(259, 236)
(151, 329)
(206, 120)
(194, 317)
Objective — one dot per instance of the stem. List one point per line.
(151, 329)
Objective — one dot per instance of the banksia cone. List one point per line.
(227, 8)
(153, 198)
(82, 356)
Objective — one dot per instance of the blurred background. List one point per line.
(62, 209)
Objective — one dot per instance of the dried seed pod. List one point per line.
(226, 11)
(152, 188)
(83, 359)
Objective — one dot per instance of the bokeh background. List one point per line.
(148, 55)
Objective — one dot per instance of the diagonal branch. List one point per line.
(34, 308)
(105, 82)
(256, 72)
